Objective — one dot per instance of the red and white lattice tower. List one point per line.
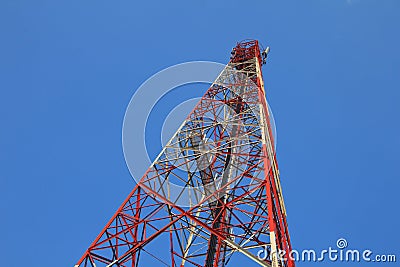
(221, 162)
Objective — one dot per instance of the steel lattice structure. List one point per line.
(222, 163)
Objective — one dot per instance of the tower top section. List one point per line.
(248, 49)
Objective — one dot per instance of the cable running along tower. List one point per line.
(221, 163)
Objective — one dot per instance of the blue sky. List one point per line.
(69, 68)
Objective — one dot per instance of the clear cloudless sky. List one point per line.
(69, 68)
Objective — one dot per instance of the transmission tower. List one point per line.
(221, 163)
